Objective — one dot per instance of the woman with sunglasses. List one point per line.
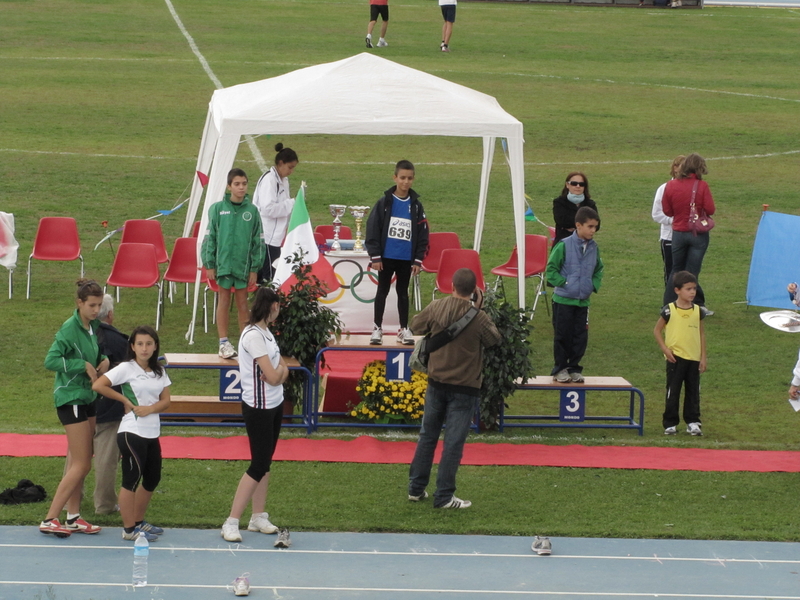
(575, 195)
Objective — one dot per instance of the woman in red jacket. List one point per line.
(688, 248)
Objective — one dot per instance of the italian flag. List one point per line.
(299, 238)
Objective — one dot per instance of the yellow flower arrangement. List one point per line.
(389, 401)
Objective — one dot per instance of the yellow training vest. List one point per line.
(682, 332)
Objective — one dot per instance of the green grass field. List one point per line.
(102, 106)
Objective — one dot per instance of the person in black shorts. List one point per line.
(378, 8)
(77, 361)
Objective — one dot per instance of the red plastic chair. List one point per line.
(183, 264)
(136, 266)
(319, 239)
(146, 231)
(536, 247)
(327, 232)
(56, 239)
(437, 243)
(211, 284)
(451, 261)
(195, 229)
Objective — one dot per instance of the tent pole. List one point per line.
(486, 168)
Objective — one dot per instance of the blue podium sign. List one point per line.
(573, 405)
(230, 384)
(397, 368)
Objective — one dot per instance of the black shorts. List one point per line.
(141, 461)
(263, 427)
(376, 10)
(449, 13)
(69, 414)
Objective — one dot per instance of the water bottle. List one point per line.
(141, 550)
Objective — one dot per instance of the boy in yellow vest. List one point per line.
(684, 346)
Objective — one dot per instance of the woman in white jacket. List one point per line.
(272, 199)
(665, 221)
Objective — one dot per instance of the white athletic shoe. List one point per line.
(418, 498)
(671, 430)
(283, 541)
(382, 43)
(694, 429)
(230, 530)
(376, 339)
(405, 337)
(260, 522)
(562, 376)
(542, 546)
(226, 350)
(456, 503)
(241, 585)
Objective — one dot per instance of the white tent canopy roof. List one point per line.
(360, 95)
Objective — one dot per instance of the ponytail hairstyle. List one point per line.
(263, 302)
(285, 155)
(88, 287)
(152, 363)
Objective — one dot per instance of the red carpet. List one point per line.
(344, 369)
(366, 449)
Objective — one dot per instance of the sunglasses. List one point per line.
(577, 183)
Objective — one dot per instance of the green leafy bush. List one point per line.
(507, 361)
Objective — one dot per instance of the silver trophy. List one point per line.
(337, 212)
(358, 212)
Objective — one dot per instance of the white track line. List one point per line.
(155, 586)
(425, 553)
(213, 77)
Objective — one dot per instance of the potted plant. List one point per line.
(303, 326)
(507, 361)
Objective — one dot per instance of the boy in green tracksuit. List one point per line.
(232, 252)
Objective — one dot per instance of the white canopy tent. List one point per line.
(361, 95)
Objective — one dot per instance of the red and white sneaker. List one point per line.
(81, 526)
(54, 527)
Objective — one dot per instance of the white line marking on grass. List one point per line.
(428, 164)
(212, 76)
(422, 553)
(484, 593)
(637, 83)
(90, 154)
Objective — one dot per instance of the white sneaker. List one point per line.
(382, 43)
(369, 41)
(456, 503)
(241, 585)
(562, 376)
(404, 336)
(230, 530)
(418, 498)
(283, 541)
(671, 430)
(576, 377)
(226, 350)
(376, 339)
(694, 429)
(542, 546)
(260, 522)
